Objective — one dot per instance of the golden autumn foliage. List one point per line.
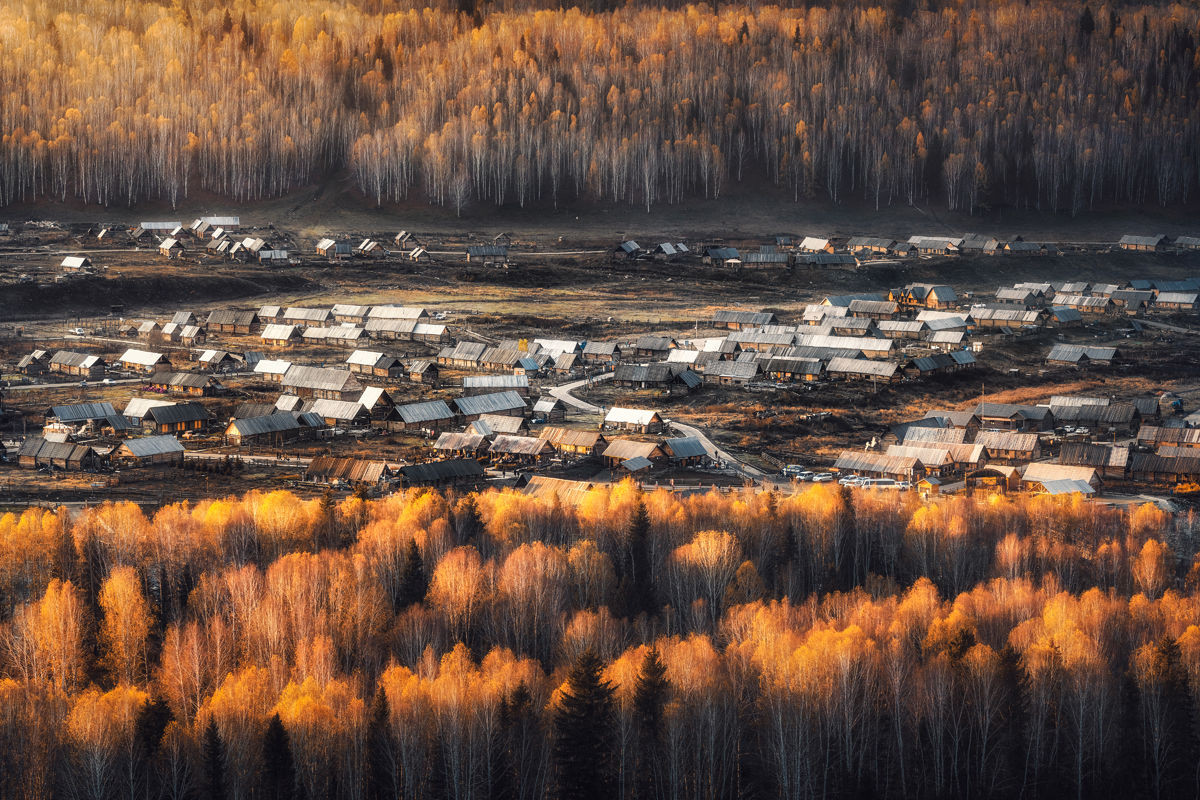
(861, 632)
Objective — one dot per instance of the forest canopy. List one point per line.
(1053, 105)
(494, 645)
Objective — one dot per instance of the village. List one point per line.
(883, 389)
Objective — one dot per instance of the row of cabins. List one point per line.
(91, 367)
(953, 444)
(37, 452)
(1100, 299)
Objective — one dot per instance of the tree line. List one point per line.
(1048, 105)
(494, 645)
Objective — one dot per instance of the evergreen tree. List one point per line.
(583, 729)
(414, 582)
(523, 741)
(148, 728)
(383, 767)
(649, 702)
(638, 577)
(279, 771)
(467, 522)
(213, 777)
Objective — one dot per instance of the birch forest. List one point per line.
(1046, 104)
(635, 645)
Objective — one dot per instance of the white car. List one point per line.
(807, 475)
(823, 477)
(850, 480)
(77, 331)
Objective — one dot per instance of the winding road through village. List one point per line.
(563, 392)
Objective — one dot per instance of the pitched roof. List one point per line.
(1075, 353)
(625, 449)
(863, 461)
(320, 379)
(341, 410)
(268, 423)
(490, 403)
(279, 332)
(229, 316)
(570, 437)
(519, 445)
(453, 440)
(151, 446)
(441, 470)
(176, 413)
(143, 358)
(1005, 440)
(351, 470)
(496, 382)
(724, 315)
(82, 412)
(685, 447)
(862, 366)
(428, 411)
(635, 416)
(1040, 471)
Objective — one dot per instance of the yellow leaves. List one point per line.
(457, 586)
(1154, 565)
(126, 624)
(710, 550)
(104, 721)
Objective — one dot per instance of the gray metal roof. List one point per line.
(685, 447)
(320, 378)
(429, 411)
(496, 382)
(82, 412)
(743, 317)
(441, 470)
(485, 403)
(1075, 353)
(152, 446)
(270, 423)
(181, 412)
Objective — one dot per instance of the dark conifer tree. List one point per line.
(649, 701)
(583, 728)
(279, 771)
(414, 582)
(384, 779)
(212, 780)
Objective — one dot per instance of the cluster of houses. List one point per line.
(506, 442)
(1093, 300)
(1069, 445)
(851, 251)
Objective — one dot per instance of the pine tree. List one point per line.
(213, 777)
(467, 522)
(584, 734)
(383, 768)
(148, 728)
(414, 582)
(638, 575)
(279, 770)
(649, 702)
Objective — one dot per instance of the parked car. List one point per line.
(791, 470)
(823, 477)
(850, 480)
(77, 331)
(807, 475)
